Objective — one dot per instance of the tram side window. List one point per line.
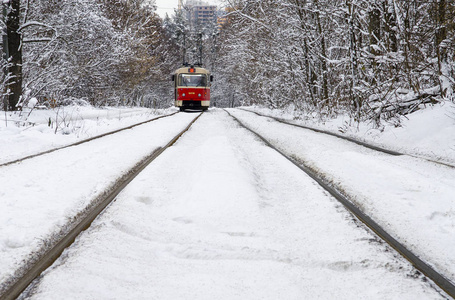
(193, 80)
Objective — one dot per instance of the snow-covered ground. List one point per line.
(41, 130)
(428, 132)
(401, 193)
(41, 195)
(220, 215)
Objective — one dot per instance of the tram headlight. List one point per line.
(183, 95)
(199, 95)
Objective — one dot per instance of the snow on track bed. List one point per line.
(40, 196)
(329, 133)
(32, 155)
(427, 133)
(81, 122)
(222, 216)
(356, 140)
(410, 198)
(419, 264)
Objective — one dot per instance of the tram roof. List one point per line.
(196, 70)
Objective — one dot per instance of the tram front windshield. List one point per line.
(193, 80)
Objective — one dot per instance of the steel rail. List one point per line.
(83, 141)
(376, 148)
(444, 283)
(44, 262)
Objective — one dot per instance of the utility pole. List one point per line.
(214, 37)
(184, 49)
(200, 49)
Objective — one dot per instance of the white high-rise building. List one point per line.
(196, 3)
(200, 12)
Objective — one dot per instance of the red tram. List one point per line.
(192, 88)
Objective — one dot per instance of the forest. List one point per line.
(101, 52)
(371, 59)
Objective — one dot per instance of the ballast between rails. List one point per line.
(444, 283)
(13, 290)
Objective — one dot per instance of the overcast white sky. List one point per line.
(167, 6)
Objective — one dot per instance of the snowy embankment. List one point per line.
(429, 132)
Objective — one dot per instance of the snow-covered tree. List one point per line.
(373, 59)
(106, 52)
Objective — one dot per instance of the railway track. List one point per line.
(14, 287)
(218, 244)
(444, 283)
(82, 141)
(353, 140)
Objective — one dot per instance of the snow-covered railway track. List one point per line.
(439, 278)
(18, 160)
(35, 263)
(220, 215)
(353, 140)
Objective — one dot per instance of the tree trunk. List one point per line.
(440, 36)
(441, 30)
(390, 26)
(356, 102)
(14, 69)
(374, 29)
(325, 93)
